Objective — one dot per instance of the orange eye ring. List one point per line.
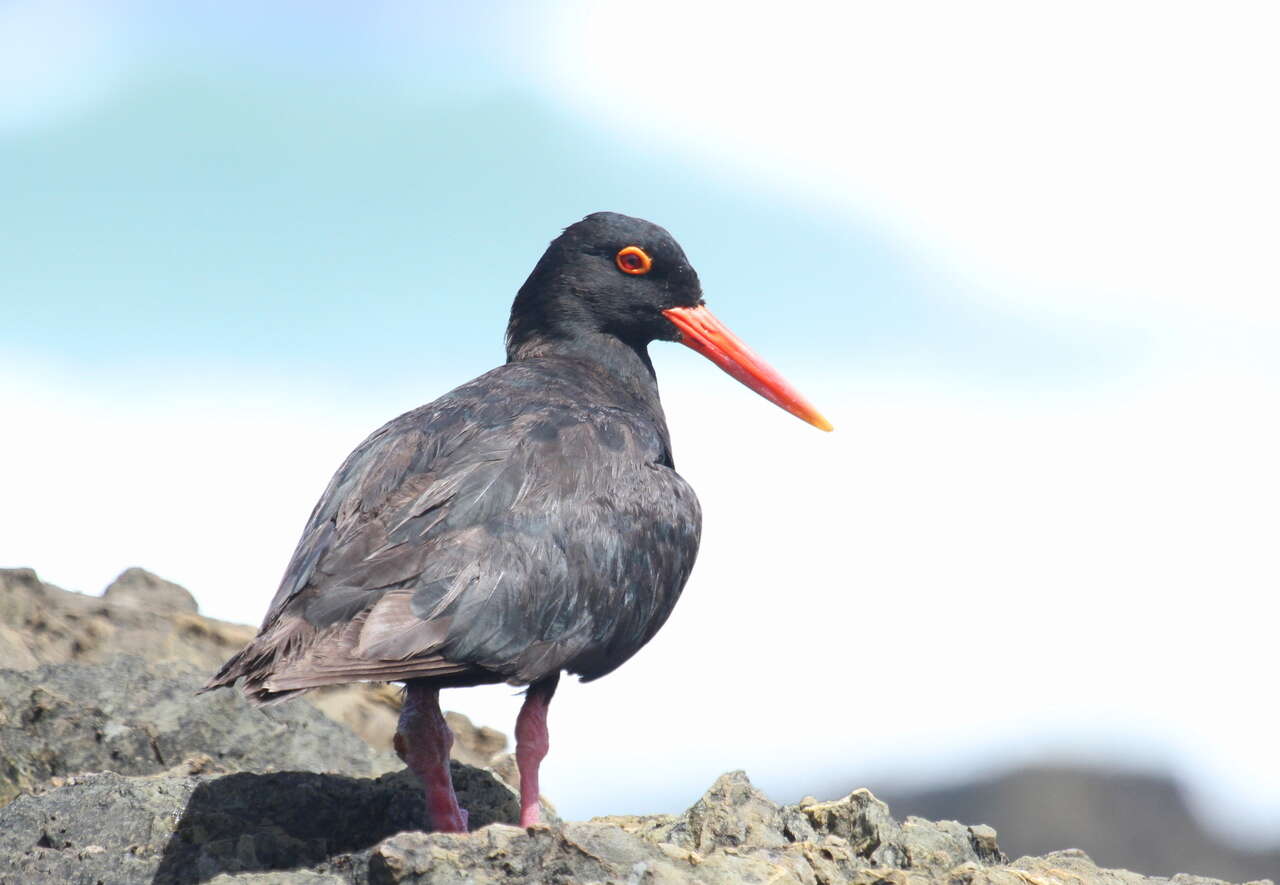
(633, 260)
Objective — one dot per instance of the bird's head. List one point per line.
(628, 278)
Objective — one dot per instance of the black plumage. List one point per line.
(528, 522)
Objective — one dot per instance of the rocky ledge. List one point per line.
(112, 770)
(296, 827)
(143, 614)
(122, 774)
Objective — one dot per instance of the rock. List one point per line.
(983, 839)
(119, 773)
(734, 813)
(107, 828)
(291, 828)
(14, 654)
(498, 855)
(138, 588)
(860, 819)
(178, 829)
(123, 716)
(145, 615)
(56, 625)
(768, 843)
(474, 744)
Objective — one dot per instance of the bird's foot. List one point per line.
(446, 818)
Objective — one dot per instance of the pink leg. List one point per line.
(532, 743)
(423, 740)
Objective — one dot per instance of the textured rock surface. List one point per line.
(142, 614)
(293, 827)
(123, 716)
(118, 773)
(180, 828)
(138, 588)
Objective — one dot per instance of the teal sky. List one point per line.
(214, 218)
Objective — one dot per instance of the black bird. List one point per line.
(530, 521)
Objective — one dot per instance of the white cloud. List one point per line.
(1113, 160)
(210, 489)
(950, 579)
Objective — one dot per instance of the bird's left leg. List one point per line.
(423, 740)
(532, 743)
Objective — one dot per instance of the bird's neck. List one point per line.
(624, 364)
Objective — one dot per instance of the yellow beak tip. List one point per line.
(818, 421)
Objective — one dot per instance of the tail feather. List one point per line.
(291, 657)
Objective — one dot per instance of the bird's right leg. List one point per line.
(423, 740)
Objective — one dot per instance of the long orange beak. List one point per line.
(701, 331)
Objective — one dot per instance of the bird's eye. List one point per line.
(633, 260)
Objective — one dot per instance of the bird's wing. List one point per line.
(470, 541)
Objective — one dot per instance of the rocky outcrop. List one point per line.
(291, 827)
(138, 588)
(123, 716)
(119, 772)
(187, 828)
(139, 613)
(146, 615)
(115, 771)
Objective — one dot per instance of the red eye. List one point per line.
(633, 260)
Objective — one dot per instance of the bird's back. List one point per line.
(527, 522)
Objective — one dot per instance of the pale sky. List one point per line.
(1023, 261)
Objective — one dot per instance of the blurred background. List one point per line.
(1022, 256)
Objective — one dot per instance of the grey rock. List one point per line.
(296, 828)
(734, 834)
(139, 588)
(498, 854)
(108, 828)
(14, 654)
(123, 716)
(169, 828)
(144, 615)
(475, 744)
(291, 877)
(983, 840)
(194, 789)
(734, 813)
(56, 625)
(860, 819)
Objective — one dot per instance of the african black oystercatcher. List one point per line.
(530, 521)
